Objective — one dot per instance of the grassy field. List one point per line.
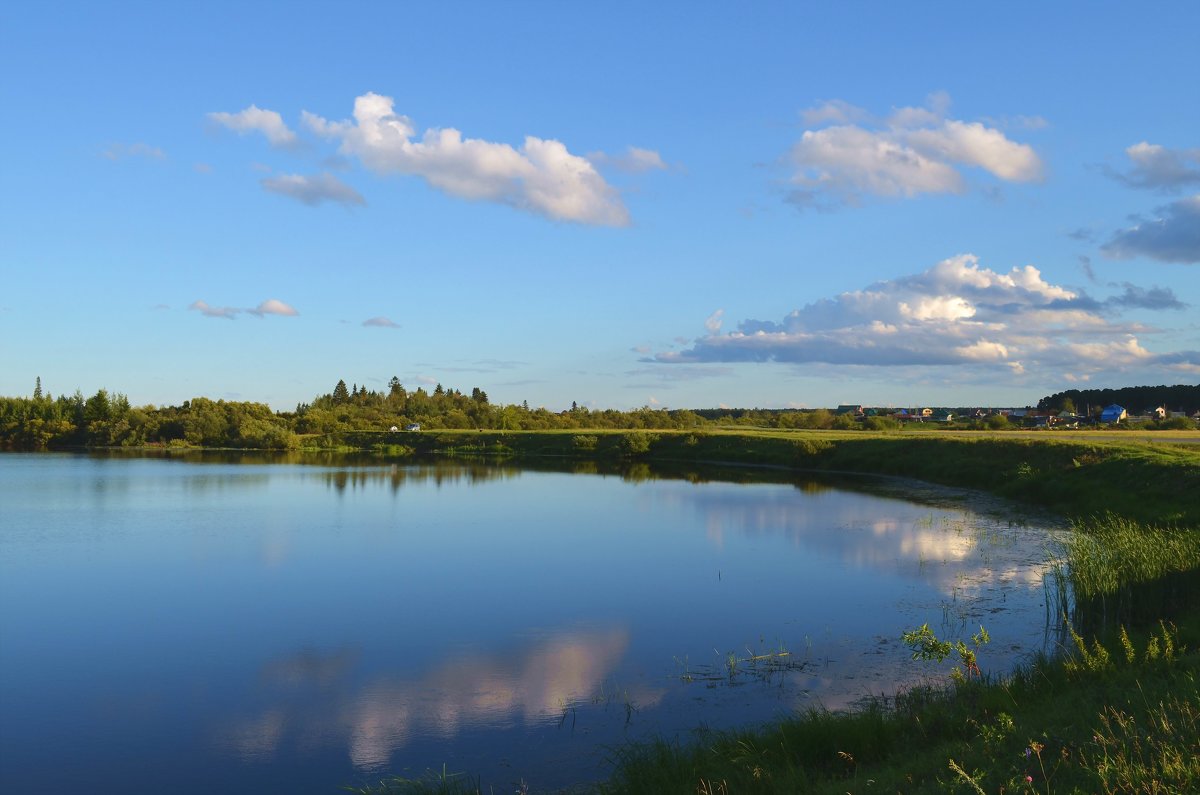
(1117, 711)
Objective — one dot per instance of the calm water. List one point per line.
(207, 626)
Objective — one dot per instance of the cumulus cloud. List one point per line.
(915, 150)
(955, 313)
(632, 161)
(314, 190)
(541, 176)
(1173, 236)
(256, 119)
(123, 151)
(227, 312)
(380, 322)
(272, 306)
(1156, 167)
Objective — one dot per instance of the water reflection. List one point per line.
(308, 622)
(380, 713)
(396, 476)
(880, 533)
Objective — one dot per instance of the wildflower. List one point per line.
(1029, 779)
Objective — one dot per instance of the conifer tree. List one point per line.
(341, 395)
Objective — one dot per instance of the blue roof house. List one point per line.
(1113, 413)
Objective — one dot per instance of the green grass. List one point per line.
(1122, 571)
(1116, 726)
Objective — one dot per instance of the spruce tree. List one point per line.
(341, 395)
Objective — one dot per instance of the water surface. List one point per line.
(215, 626)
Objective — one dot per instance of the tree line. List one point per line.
(108, 419)
(1134, 399)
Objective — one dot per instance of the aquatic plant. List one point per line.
(926, 645)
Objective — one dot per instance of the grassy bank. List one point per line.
(1137, 480)
(1118, 717)
(1118, 711)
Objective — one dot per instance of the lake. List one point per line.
(212, 623)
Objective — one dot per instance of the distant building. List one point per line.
(849, 409)
(1113, 413)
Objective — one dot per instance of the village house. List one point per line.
(1113, 413)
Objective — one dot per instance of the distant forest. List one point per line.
(1134, 399)
(108, 419)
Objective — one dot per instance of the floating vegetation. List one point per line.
(732, 669)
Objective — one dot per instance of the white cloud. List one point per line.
(203, 308)
(851, 161)
(541, 177)
(970, 143)
(1158, 168)
(380, 322)
(939, 307)
(1174, 236)
(713, 323)
(271, 306)
(122, 151)
(954, 313)
(314, 190)
(633, 160)
(833, 112)
(915, 151)
(255, 119)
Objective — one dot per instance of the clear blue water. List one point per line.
(209, 626)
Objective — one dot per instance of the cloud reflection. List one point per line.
(482, 690)
(468, 691)
(955, 550)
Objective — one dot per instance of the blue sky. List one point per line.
(684, 205)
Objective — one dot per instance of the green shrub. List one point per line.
(635, 443)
